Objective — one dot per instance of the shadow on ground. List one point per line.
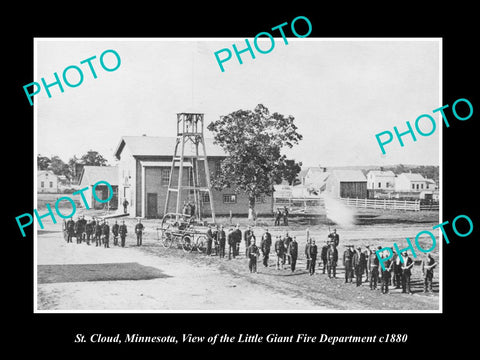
(96, 272)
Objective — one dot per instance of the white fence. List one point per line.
(383, 204)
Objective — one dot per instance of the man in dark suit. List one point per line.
(139, 231)
(70, 230)
(312, 252)
(231, 244)
(115, 228)
(286, 241)
(98, 233)
(334, 237)
(209, 240)
(221, 238)
(323, 256)
(347, 263)
(373, 263)
(386, 273)
(428, 264)
(122, 230)
(406, 272)
(307, 252)
(237, 233)
(252, 256)
(265, 245)
(397, 271)
(106, 234)
(247, 236)
(292, 252)
(280, 251)
(358, 263)
(332, 259)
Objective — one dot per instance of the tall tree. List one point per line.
(253, 141)
(93, 158)
(43, 162)
(58, 166)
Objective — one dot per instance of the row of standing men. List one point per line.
(356, 262)
(98, 230)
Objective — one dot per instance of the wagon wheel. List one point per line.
(187, 243)
(201, 243)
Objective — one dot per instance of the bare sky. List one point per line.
(341, 93)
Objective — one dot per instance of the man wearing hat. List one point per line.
(347, 263)
(292, 251)
(312, 252)
(332, 258)
(406, 272)
(358, 262)
(106, 234)
(280, 251)
(307, 252)
(323, 255)
(387, 264)
(334, 237)
(122, 230)
(265, 245)
(252, 255)
(373, 263)
(247, 236)
(428, 263)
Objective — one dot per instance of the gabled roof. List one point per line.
(317, 175)
(413, 176)
(44, 172)
(92, 174)
(162, 146)
(379, 173)
(349, 175)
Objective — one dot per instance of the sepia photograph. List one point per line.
(209, 175)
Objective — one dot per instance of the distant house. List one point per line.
(315, 178)
(47, 181)
(380, 183)
(90, 175)
(347, 184)
(380, 180)
(411, 182)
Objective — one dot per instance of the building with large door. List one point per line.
(91, 175)
(144, 165)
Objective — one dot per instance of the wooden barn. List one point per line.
(347, 184)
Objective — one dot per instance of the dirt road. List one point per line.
(151, 278)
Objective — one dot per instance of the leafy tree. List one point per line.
(58, 166)
(253, 141)
(93, 158)
(43, 162)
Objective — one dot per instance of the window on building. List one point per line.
(413, 186)
(218, 167)
(379, 185)
(229, 199)
(260, 199)
(421, 186)
(417, 186)
(205, 197)
(165, 176)
(42, 184)
(51, 184)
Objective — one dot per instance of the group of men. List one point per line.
(98, 231)
(281, 214)
(356, 262)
